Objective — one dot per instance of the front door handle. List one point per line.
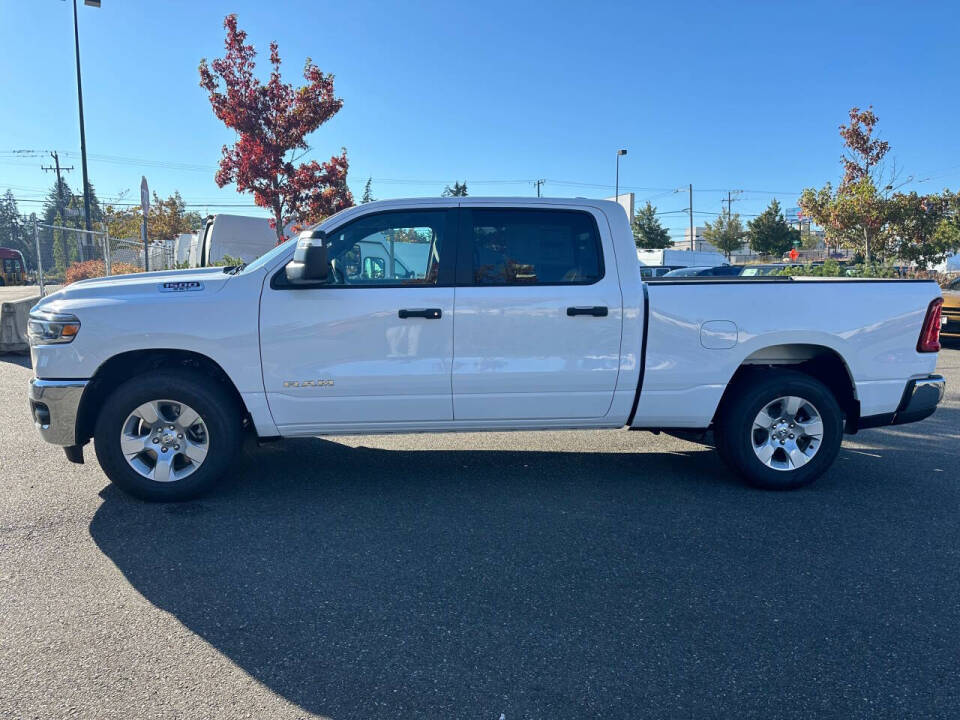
(428, 313)
(595, 311)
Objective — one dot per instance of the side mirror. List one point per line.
(310, 261)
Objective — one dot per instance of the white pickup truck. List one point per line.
(469, 314)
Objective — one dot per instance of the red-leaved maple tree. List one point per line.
(272, 120)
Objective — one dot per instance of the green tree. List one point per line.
(647, 230)
(925, 228)
(60, 257)
(458, 190)
(16, 231)
(726, 233)
(167, 219)
(367, 192)
(769, 233)
(857, 214)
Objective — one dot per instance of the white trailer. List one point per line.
(681, 258)
(236, 236)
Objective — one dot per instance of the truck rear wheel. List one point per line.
(781, 429)
(169, 435)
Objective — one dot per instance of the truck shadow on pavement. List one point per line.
(21, 359)
(361, 583)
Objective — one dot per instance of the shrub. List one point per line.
(831, 268)
(96, 268)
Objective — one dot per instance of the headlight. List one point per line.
(46, 328)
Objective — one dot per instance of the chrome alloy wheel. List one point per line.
(786, 433)
(164, 440)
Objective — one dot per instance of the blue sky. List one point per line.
(727, 96)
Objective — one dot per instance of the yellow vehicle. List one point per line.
(13, 271)
(951, 308)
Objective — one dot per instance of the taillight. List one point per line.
(930, 334)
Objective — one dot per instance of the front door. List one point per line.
(374, 344)
(538, 315)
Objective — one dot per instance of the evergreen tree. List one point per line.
(55, 207)
(458, 190)
(647, 230)
(769, 232)
(59, 247)
(16, 230)
(367, 192)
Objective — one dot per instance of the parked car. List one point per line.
(951, 308)
(718, 271)
(765, 270)
(653, 271)
(514, 314)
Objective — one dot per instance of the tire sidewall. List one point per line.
(215, 407)
(764, 388)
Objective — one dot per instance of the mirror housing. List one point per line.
(310, 262)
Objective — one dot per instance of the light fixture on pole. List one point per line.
(83, 137)
(617, 186)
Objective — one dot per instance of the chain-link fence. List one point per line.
(124, 252)
(69, 254)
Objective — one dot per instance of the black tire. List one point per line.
(217, 408)
(734, 431)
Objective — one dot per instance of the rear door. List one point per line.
(538, 314)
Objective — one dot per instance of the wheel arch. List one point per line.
(125, 365)
(820, 362)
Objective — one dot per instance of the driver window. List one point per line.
(392, 248)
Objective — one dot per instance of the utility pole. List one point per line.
(83, 136)
(617, 182)
(60, 209)
(56, 168)
(730, 200)
(538, 183)
(690, 187)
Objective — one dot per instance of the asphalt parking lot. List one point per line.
(554, 575)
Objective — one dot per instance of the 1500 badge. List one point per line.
(308, 383)
(181, 286)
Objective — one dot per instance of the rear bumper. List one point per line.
(53, 407)
(920, 398)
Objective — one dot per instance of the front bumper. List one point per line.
(53, 406)
(920, 398)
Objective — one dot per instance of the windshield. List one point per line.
(268, 257)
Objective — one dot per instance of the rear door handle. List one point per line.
(596, 311)
(428, 313)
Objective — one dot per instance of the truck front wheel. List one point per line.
(169, 435)
(780, 430)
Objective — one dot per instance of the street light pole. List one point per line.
(83, 136)
(617, 186)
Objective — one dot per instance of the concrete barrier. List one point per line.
(13, 324)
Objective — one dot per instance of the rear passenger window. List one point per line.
(535, 247)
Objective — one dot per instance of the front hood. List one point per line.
(148, 285)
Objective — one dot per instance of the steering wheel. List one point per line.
(337, 273)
